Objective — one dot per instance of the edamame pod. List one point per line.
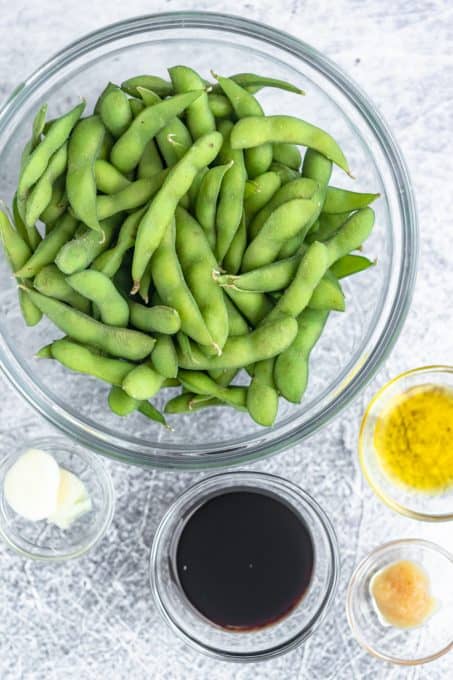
(351, 235)
(158, 319)
(48, 249)
(128, 149)
(253, 131)
(291, 367)
(134, 196)
(197, 264)
(79, 253)
(206, 201)
(119, 342)
(156, 219)
(200, 119)
(160, 86)
(98, 288)
(109, 180)
(231, 196)
(41, 194)
(173, 290)
(84, 360)
(267, 341)
(164, 357)
(115, 111)
(83, 150)
(350, 264)
(200, 383)
(51, 282)
(343, 201)
(143, 382)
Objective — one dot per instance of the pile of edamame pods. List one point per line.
(176, 236)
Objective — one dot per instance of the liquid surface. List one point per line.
(402, 594)
(244, 559)
(414, 438)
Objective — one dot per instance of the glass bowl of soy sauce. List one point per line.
(244, 566)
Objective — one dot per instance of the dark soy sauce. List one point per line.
(244, 559)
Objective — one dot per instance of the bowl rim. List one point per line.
(101, 473)
(216, 484)
(358, 572)
(362, 448)
(260, 445)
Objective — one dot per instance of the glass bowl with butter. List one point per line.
(56, 499)
(400, 602)
(406, 443)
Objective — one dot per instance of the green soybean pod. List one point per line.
(253, 131)
(37, 161)
(206, 200)
(51, 282)
(267, 341)
(151, 412)
(150, 163)
(164, 357)
(146, 284)
(20, 226)
(220, 106)
(350, 264)
(343, 201)
(83, 150)
(17, 252)
(291, 366)
(262, 397)
(109, 180)
(119, 342)
(231, 196)
(106, 147)
(159, 319)
(137, 106)
(258, 159)
(264, 188)
(134, 196)
(189, 402)
(253, 306)
(200, 383)
(82, 359)
(174, 141)
(199, 117)
(326, 226)
(128, 149)
(49, 247)
(233, 259)
(328, 294)
(174, 291)
(237, 325)
(351, 235)
(79, 253)
(286, 221)
(41, 194)
(253, 82)
(115, 111)
(121, 403)
(178, 181)
(197, 264)
(285, 173)
(312, 267)
(267, 279)
(57, 204)
(160, 86)
(98, 288)
(288, 154)
(298, 188)
(143, 382)
(317, 167)
(109, 261)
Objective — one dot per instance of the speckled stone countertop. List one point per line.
(93, 619)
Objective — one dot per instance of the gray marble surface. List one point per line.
(93, 618)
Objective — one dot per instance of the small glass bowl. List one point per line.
(428, 506)
(403, 646)
(43, 540)
(251, 645)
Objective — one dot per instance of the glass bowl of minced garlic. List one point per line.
(406, 443)
(399, 602)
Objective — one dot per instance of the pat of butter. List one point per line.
(72, 501)
(37, 488)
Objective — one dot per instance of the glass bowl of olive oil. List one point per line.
(406, 443)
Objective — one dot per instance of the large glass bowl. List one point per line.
(354, 343)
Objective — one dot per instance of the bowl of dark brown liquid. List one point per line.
(244, 565)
